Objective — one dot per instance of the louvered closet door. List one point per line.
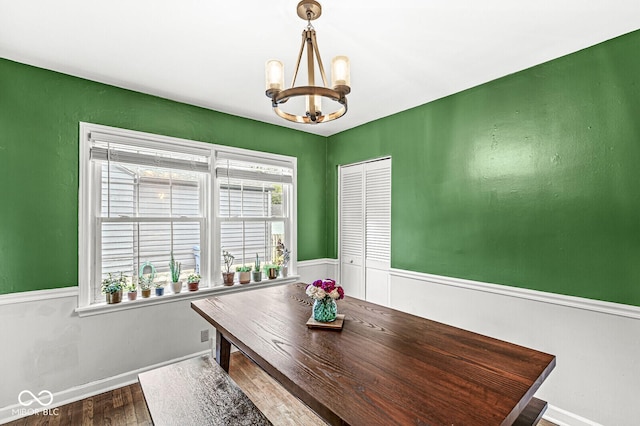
(351, 231)
(377, 230)
(365, 230)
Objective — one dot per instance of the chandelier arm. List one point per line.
(295, 74)
(311, 78)
(315, 48)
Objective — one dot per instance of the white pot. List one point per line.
(176, 287)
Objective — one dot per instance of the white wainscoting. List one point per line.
(46, 346)
(317, 269)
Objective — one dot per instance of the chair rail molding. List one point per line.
(600, 306)
(36, 295)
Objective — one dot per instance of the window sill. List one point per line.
(104, 308)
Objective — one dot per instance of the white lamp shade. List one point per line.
(340, 72)
(274, 73)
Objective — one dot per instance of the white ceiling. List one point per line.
(403, 53)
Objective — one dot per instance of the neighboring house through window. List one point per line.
(254, 206)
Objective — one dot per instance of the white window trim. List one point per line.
(87, 232)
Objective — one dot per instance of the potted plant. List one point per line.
(227, 277)
(257, 272)
(132, 290)
(271, 271)
(193, 282)
(176, 284)
(145, 287)
(284, 255)
(146, 276)
(159, 288)
(245, 274)
(112, 287)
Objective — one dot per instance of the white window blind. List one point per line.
(106, 147)
(253, 205)
(151, 204)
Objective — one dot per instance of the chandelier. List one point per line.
(310, 10)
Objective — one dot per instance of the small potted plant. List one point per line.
(228, 276)
(271, 270)
(257, 272)
(193, 282)
(145, 288)
(112, 287)
(284, 256)
(146, 276)
(159, 288)
(244, 275)
(132, 290)
(175, 267)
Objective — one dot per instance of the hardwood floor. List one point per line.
(126, 406)
(123, 406)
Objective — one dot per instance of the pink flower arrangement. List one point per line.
(321, 289)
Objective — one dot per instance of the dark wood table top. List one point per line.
(385, 366)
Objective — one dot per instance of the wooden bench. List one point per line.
(532, 414)
(197, 392)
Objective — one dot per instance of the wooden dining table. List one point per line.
(384, 367)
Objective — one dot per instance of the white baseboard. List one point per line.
(87, 390)
(562, 417)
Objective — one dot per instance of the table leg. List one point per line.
(223, 351)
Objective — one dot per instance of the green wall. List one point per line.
(531, 180)
(39, 115)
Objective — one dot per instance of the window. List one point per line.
(254, 206)
(145, 197)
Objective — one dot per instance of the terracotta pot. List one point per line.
(193, 286)
(114, 297)
(132, 295)
(146, 293)
(228, 278)
(245, 277)
(176, 287)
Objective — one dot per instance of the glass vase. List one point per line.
(325, 310)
